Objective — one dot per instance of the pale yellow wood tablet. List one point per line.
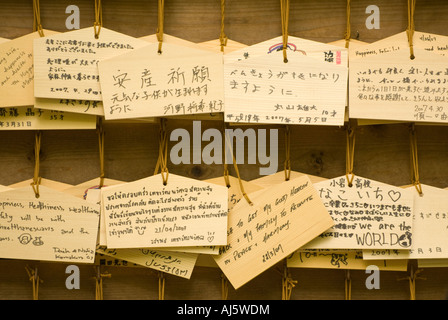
(430, 228)
(80, 190)
(282, 219)
(305, 90)
(430, 42)
(394, 87)
(65, 65)
(234, 190)
(422, 40)
(211, 250)
(173, 40)
(353, 43)
(29, 118)
(368, 215)
(17, 76)
(174, 263)
(53, 227)
(384, 46)
(206, 260)
(234, 196)
(341, 259)
(147, 213)
(4, 188)
(279, 177)
(70, 105)
(182, 80)
(109, 261)
(94, 195)
(432, 263)
(182, 42)
(215, 45)
(323, 52)
(55, 185)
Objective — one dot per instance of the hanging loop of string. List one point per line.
(288, 153)
(284, 8)
(100, 132)
(161, 286)
(226, 168)
(98, 18)
(224, 287)
(348, 285)
(37, 26)
(226, 175)
(235, 165)
(160, 19)
(350, 154)
(411, 27)
(222, 36)
(163, 152)
(99, 294)
(37, 179)
(414, 160)
(35, 280)
(287, 283)
(348, 30)
(412, 278)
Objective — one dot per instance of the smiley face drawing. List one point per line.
(25, 238)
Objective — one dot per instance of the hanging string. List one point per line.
(226, 168)
(284, 8)
(288, 153)
(98, 18)
(411, 26)
(348, 285)
(350, 154)
(414, 160)
(35, 280)
(37, 26)
(236, 168)
(412, 278)
(241, 183)
(37, 179)
(163, 152)
(161, 286)
(160, 18)
(222, 36)
(348, 31)
(100, 132)
(224, 287)
(287, 283)
(226, 174)
(99, 295)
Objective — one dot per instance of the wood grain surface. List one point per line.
(382, 152)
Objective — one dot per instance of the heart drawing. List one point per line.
(394, 195)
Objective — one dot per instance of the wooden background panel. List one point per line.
(382, 152)
(17, 156)
(137, 283)
(247, 21)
